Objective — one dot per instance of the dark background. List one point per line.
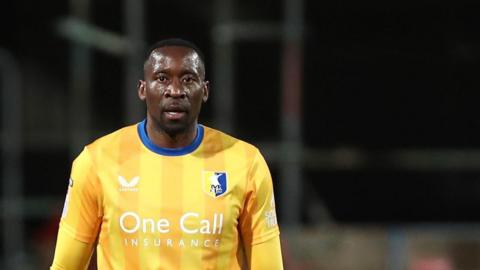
(379, 76)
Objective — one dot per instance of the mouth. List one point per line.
(175, 115)
(175, 112)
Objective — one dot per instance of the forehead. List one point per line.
(170, 57)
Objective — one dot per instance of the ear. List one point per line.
(206, 91)
(141, 90)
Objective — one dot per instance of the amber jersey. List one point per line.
(156, 208)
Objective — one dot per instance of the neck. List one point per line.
(161, 138)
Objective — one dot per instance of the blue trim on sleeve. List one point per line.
(142, 132)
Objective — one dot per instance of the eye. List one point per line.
(162, 78)
(188, 79)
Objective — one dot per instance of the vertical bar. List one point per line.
(80, 84)
(292, 73)
(224, 67)
(12, 176)
(397, 249)
(135, 31)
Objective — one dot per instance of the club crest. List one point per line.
(215, 184)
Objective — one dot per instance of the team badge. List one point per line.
(215, 184)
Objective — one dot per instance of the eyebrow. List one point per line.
(184, 71)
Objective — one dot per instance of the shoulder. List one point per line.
(112, 143)
(216, 139)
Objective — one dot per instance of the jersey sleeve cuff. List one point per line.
(265, 237)
(67, 229)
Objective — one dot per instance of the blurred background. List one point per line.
(366, 111)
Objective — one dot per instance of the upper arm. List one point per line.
(258, 220)
(82, 210)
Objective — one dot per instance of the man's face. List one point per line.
(174, 88)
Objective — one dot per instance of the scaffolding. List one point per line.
(288, 153)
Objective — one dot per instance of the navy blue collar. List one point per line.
(142, 132)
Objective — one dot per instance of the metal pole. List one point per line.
(223, 65)
(80, 84)
(12, 176)
(135, 31)
(397, 249)
(292, 64)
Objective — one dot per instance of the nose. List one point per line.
(175, 90)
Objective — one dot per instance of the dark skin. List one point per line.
(173, 88)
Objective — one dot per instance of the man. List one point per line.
(169, 193)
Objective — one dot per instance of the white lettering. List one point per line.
(194, 243)
(221, 224)
(206, 226)
(134, 242)
(181, 243)
(190, 223)
(214, 223)
(150, 221)
(163, 225)
(137, 222)
(182, 223)
(172, 242)
(271, 218)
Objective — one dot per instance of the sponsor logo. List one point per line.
(189, 223)
(65, 206)
(271, 215)
(128, 185)
(197, 231)
(171, 243)
(215, 184)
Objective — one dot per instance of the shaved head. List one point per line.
(154, 52)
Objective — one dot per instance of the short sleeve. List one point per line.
(81, 214)
(258, 220)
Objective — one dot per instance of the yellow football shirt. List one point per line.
(157, 208)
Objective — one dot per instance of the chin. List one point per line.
(173, 129)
